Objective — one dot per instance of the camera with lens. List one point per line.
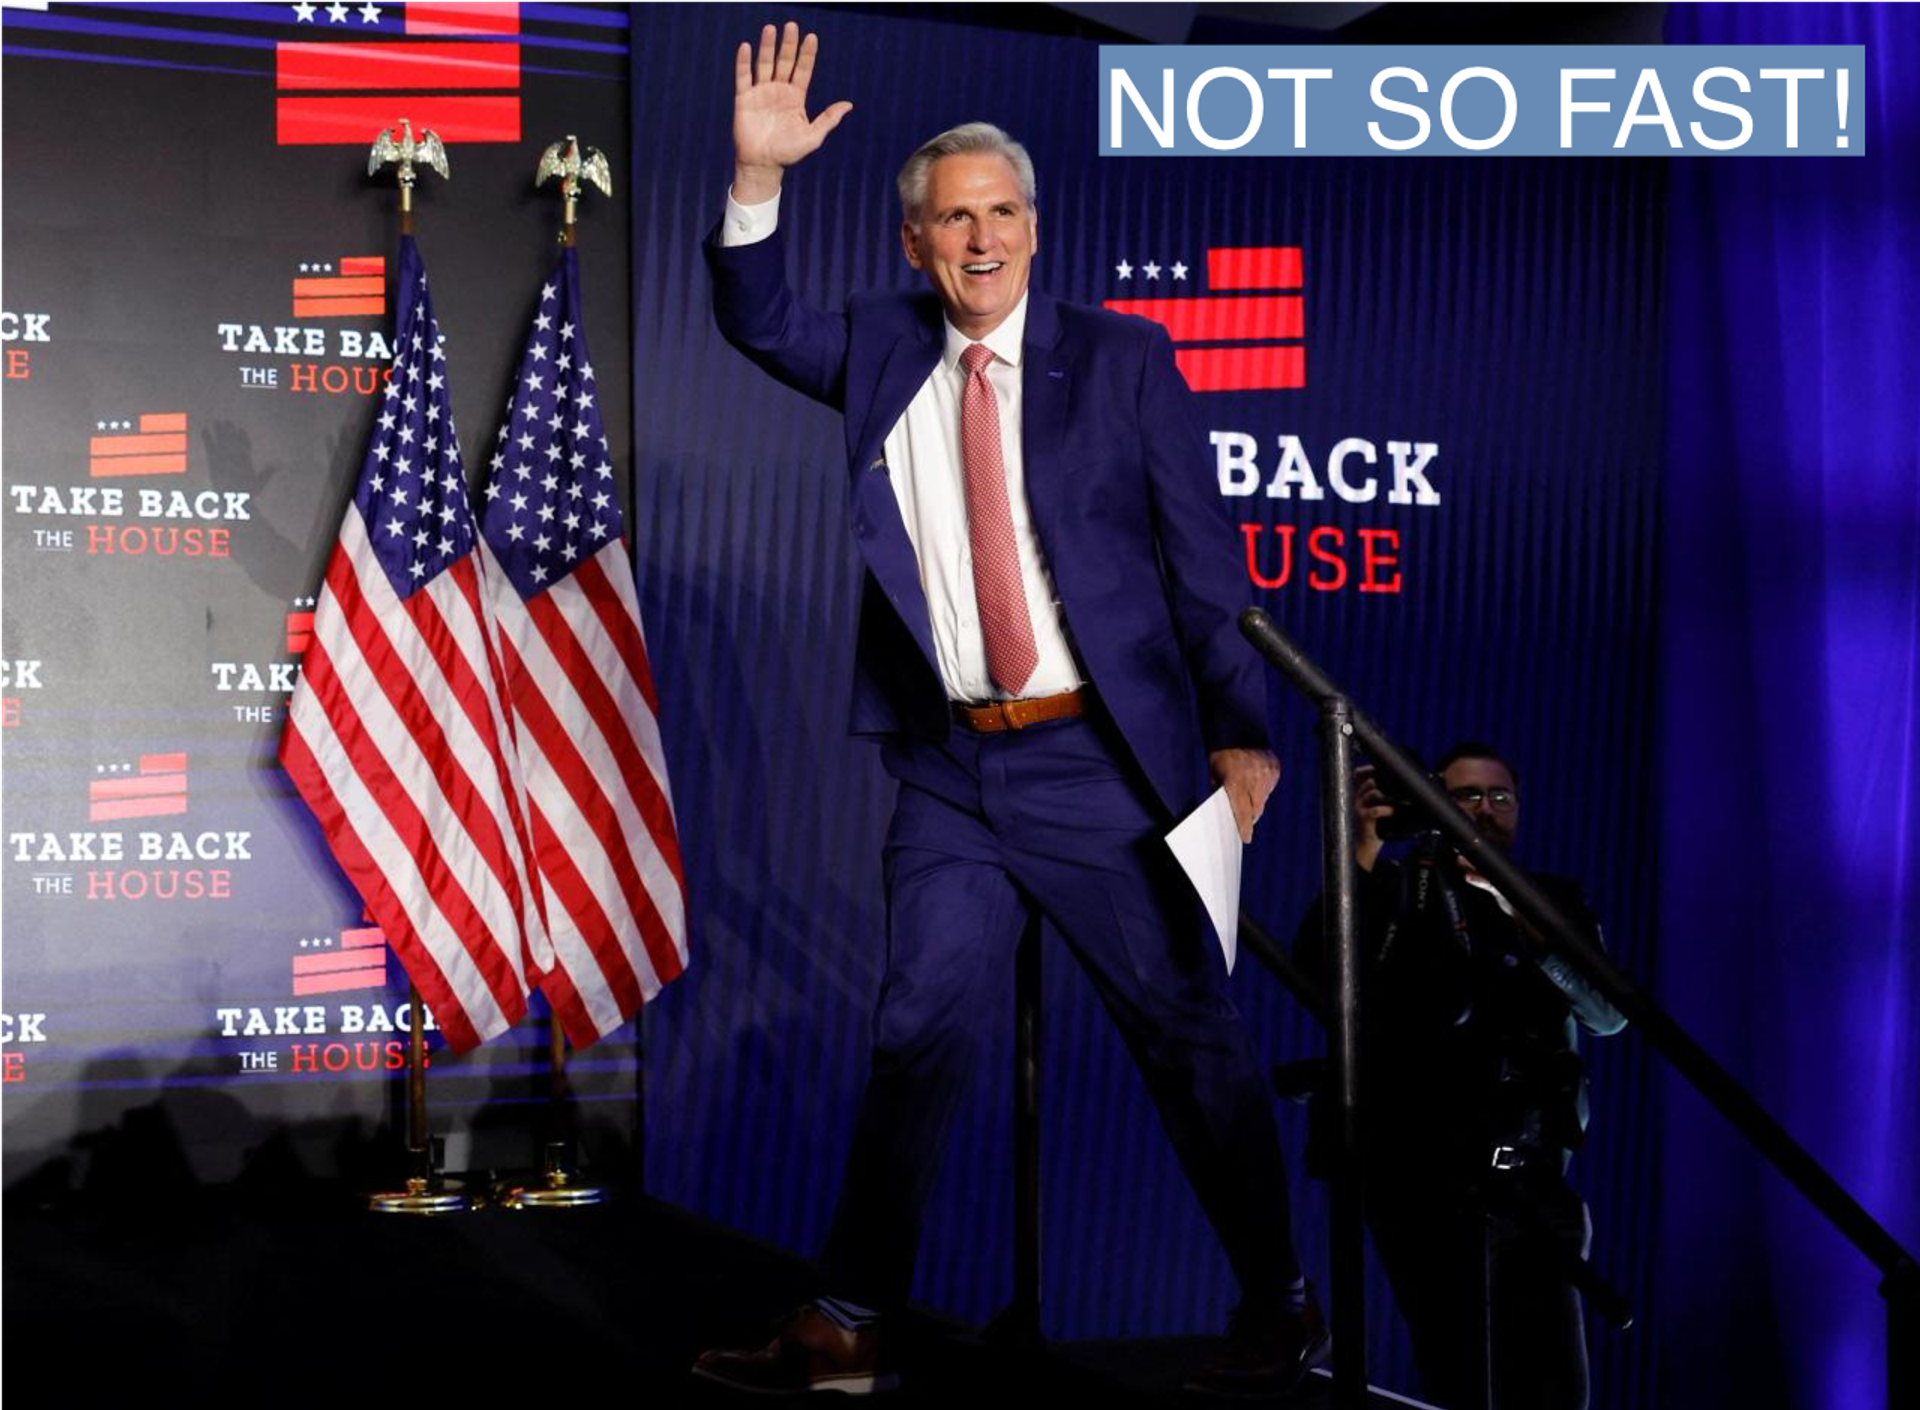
(1406, 821)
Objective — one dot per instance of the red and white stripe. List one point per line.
(397, 739)
(586, 721)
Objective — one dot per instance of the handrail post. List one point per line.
(1347, 1229)
(1901, 1289)
(1023, 1316)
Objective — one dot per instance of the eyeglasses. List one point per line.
(1501, 800)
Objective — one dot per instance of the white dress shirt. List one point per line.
(929, 483)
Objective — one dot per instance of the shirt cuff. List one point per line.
(749, 225)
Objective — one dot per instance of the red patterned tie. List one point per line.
(1005, 624)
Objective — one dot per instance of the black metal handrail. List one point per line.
(1900, 1283)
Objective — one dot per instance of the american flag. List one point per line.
(396, 736)
(585, 713)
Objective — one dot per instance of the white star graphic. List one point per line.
(406, 435)
(381, 451)
(393, 528)
(369, 14)
(1150, 269)
(605, 472)
(515, 531)
(600, 500)
(1179, 270)
(574, 491)
(583, 400)
(1124, 270)
(586, 370)
(546, 293)
(572, 521)
(417, 568)
(546, 513)
(499, 459)
(420, 539)
(553, 453)
(599, 529)
(493, 492)
(446, 545)
(526, 441)
(303, 12)
(402, 466)
(378, 482)
(436, 381)
(538, 351)
(564, 361)
(337, 12)
(566, 330)
(519, 501)
(533, 381)
(543, 543)
(550, 484)
(539, 573)
(543, 322)
(399, 495)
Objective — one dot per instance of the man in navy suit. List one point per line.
(1048, 651)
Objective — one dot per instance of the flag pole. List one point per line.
(558, 1187)
(426, 1192)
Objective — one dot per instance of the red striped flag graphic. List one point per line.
(359, 963)
(155, 789)
(1244, 340)
(158, 447)
(353, 287)
(345, 91)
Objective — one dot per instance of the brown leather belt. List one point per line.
(998, 715)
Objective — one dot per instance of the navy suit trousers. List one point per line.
(989, 828)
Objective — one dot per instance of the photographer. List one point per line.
(1473, 1100)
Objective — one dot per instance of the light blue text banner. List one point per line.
(1497, 100)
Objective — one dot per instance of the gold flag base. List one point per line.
(422, 1197)
(556, 1188)
(551, 1196)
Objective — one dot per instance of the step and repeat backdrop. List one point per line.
(199, 300)
(1432, 393)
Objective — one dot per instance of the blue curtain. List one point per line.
(1790, 856)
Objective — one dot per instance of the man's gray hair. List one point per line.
(954, 142)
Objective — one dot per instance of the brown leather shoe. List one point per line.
(1268, 1353)
(810, 1352)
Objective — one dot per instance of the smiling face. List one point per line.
(974, 239)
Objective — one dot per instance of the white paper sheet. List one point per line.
(1207, 846)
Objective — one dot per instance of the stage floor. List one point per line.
(301, 1294)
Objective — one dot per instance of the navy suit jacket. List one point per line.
(1118, 480)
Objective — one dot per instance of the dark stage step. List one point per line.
(298, 1293)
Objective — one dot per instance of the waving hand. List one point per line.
(771, 130)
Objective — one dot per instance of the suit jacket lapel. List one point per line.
(877, 526)
(1046, 387)
(912, 357)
